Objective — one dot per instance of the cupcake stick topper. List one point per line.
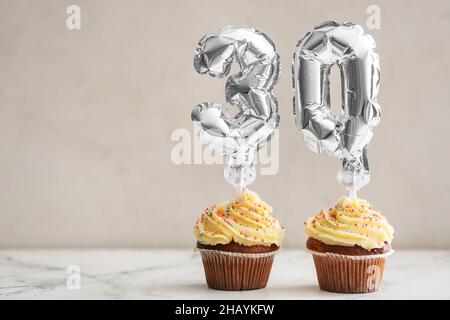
(239, 137)
(345, 138)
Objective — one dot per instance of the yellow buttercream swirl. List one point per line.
(351, 222)
(247, 220)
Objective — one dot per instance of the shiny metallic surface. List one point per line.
(345, 137)
(239, 137)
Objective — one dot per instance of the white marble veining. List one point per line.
(178, 274)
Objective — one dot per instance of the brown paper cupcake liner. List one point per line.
(349, 274)
(233, 271)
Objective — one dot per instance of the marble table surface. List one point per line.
(178, 274)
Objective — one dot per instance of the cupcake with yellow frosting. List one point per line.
(349, 243)
(238, 240)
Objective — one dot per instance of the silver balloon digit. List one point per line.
(238, 138)
(347, 137)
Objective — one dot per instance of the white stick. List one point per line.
(239, 190)
(353, 189)
(352, 193)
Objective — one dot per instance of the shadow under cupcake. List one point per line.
(238, 241)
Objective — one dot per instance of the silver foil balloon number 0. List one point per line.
(239, 137)
(347, 137)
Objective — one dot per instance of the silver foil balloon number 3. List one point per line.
(347, 137)
(239, 137)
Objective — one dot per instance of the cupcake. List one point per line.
(349, 244)
(237, 241)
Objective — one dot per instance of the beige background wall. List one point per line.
(86, 118)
